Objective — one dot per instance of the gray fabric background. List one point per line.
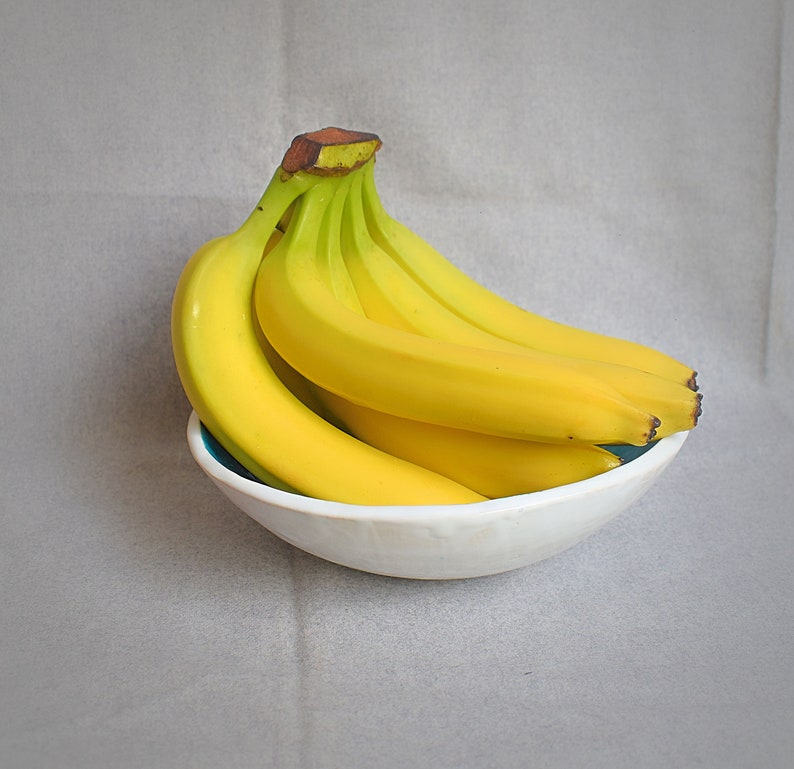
(628, 167)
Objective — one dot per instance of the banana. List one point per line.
(527, 396)
(390, 295)
(239, 397)
(495, 314)
(490, 464)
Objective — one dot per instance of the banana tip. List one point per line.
(698, 411)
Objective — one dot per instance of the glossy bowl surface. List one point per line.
(437, 541)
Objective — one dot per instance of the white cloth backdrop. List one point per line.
(625, 166)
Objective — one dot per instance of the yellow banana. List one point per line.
(489, 464)
(493, 313)
(528, 396)
(391, 295)
(493, 465)
(240, 399)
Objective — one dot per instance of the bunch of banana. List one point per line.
(334, 353)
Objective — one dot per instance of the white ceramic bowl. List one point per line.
(437, 541)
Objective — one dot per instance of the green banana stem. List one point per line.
(279, 196)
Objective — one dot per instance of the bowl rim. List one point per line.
(656, 457)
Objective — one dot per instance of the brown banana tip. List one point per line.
(692, 382)
(698, 411)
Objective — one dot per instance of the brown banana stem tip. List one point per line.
(306, 151)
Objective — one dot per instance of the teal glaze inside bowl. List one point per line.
(224, 457)
(627, 453)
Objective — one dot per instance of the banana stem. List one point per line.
(330, 151)
(327, 152)
(281, 192)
